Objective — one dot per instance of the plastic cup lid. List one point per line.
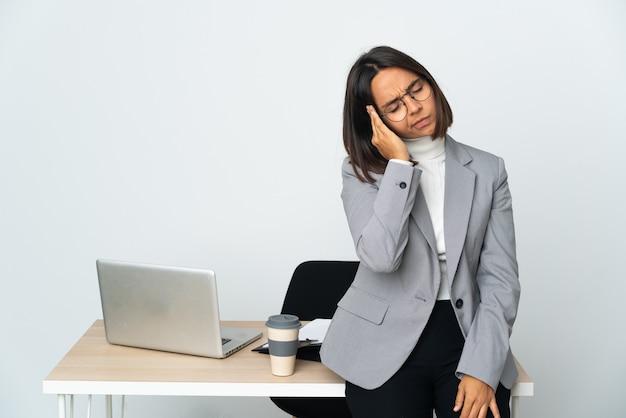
(283, 321)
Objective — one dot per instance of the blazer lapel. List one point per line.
(458, 197)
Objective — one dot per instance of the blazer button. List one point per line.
(459, 303)
(402, 185)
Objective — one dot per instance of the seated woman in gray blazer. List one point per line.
(426, 323)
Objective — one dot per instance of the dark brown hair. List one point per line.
(357, 128)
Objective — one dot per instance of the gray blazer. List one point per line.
(383, 313)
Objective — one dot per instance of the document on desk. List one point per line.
(315, 331)
(312, 334)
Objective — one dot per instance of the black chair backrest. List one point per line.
(317, 286)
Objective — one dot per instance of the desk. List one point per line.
(95, 367)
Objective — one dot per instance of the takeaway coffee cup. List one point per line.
(282, 334)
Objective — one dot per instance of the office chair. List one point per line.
(314, 291)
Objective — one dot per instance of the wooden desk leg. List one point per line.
(515, 407)
(61, 405)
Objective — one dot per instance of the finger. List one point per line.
(372, 113)
(493, 405)
(482, 409)
(373, 116)
(458, 401)
(377, 122)
(378, 133)
(470, 409)
(482, 413)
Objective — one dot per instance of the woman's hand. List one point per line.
(475, 398)
(385, 140)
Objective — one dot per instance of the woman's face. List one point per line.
(392, 84)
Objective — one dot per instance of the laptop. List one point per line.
(166, 308)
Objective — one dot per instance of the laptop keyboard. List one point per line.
(225, 340)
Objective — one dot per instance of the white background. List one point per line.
(208, 134)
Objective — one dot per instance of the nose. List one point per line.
(412, 106)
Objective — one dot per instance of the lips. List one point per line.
(422, 122)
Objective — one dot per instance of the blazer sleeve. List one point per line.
(378, 213)
(487, 350)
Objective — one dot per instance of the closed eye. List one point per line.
(393, 106)
(416, 86)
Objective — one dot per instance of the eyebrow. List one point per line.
(405, 92)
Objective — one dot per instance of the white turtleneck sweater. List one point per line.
(431, 156)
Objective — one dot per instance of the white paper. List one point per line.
(315, 331)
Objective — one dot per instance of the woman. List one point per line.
(426, 323)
